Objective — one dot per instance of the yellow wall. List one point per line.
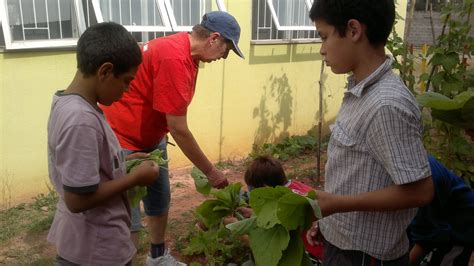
(270, 94)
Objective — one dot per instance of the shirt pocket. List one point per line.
(339, 136)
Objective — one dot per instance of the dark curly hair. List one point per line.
(377, 15)
(107, 42)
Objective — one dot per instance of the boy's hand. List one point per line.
(216, 178)
(146, 173)
(313, 235)
(136, 155)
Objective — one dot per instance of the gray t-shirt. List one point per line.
(82, 152)
(375, 142)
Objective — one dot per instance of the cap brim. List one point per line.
(237, 50)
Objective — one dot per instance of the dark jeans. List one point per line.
(334, 256)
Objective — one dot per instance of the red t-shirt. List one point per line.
(164, 84)
(302, 189)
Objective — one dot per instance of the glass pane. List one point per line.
(292, 12)
(132, 12)
(190, 12)
(42, 19)
(89, 14)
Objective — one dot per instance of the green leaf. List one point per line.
(293, 254)
(221, 208)
(200, 181)
(441, 102)
(135, 195)
(230, 195)
(292, 210)
(264, 202)
(315, 207)
(451, 85)
(206, 213)
(267, 244)
(311, 194)
(242, 227)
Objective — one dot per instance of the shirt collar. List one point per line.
(357, 89)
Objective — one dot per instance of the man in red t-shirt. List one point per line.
(156, 103)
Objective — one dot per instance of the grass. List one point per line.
(28, 222)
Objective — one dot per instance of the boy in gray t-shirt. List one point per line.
(86, 164)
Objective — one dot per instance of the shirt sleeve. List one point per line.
(173, 87)
(77, 156)
(394, 139)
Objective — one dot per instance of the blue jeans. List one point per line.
(158, 197)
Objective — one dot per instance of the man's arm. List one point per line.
(178, 127)
(392, 198)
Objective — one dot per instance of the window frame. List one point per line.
(10, 44)
(260, 8)
(276, 19)
(174, 23)
(161, 8)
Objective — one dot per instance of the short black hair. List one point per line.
(265, 171)
(107, 42)
(377, 15)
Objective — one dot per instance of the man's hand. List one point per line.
(216, 178)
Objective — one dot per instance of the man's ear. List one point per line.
(355, 29)
(105, 70)
(213, 37)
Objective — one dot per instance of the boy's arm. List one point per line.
(392, 198)
(178, 127)
(144, 174)
(416, 254)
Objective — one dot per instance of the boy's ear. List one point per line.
(355, 29)
(105, 70)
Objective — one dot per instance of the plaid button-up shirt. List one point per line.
(375, 142)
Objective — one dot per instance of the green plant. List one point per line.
(47, 201)
(450, 98)
(275, 228)
(218, 244)
(135, 194)
(6, 190)
(289, 147)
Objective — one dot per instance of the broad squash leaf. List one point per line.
(293, 254)
(292, 210)
(267, 244)
(200, 181)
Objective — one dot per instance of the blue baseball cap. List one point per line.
(226, 25)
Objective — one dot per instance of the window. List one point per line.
(40, 23)
(59, 23)
(187, 13)
(277, 21)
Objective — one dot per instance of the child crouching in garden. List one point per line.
(267, 171)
